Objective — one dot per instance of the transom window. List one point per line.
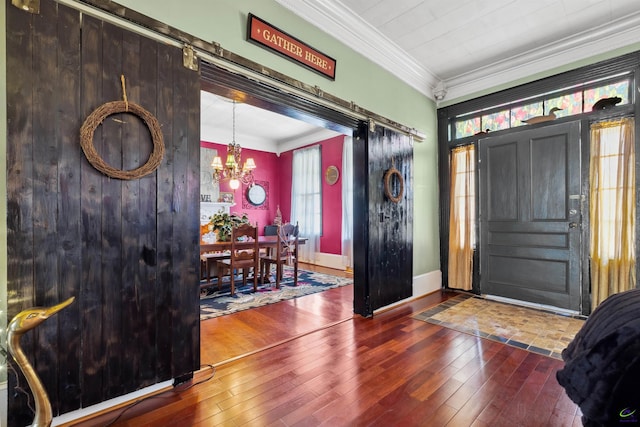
(571, 101)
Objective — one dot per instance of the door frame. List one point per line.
(224, 83)
(627, 65)
(586, 120)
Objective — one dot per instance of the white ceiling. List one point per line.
(256, 128)
(473, 45)
(461, 46)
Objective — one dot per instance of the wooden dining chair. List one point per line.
(245, 256)
(286, 252)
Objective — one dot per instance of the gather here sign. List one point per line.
(266, 35)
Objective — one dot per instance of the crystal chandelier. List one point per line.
(231, 169)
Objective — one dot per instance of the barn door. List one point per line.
(383, 271)
(530, 208)
(127, 250)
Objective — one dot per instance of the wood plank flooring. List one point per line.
(311, 362)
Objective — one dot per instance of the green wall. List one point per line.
(357, 79)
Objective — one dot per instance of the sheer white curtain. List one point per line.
(306, 199)
(347, 203)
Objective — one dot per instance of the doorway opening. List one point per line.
(270, 129)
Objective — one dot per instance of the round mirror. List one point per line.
(256, 195)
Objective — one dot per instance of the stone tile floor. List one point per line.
(540, 331)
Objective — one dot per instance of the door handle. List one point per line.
(573, 225)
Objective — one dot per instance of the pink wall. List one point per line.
(331, 240)
(266, 174)
(286, 173)
(274, 173)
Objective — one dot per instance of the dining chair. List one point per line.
(208, 264)
(286, 252)
(245, 256)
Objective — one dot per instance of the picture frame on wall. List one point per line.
(225, 197)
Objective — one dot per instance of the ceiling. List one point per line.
(466, 46)
(446, 48)
(256, 128)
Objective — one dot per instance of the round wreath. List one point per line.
(387, 184)
(97, 117)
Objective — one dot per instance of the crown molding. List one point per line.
(587, 44)
(334, 18)
(342, 23)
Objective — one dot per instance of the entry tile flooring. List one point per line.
(539, 331)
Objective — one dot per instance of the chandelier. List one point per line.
(231, 170)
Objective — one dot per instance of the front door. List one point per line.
(530, 208)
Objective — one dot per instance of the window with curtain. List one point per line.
(612, 208)
(462, 217)
(306, 199)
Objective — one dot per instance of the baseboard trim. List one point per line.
(329, 260)
(72, 418)
(423, 285)
(427, 283)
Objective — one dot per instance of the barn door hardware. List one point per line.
(31, 6)
(189, 58)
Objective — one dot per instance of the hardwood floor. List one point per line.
(311, 362)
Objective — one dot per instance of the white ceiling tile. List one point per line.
(407, 22)
(361, 6)
(387, 11)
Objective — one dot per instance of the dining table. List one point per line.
(212, 252)
(263, 242)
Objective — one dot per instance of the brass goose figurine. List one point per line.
(539, 119)
(21, 323)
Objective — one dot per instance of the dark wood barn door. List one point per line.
(127, 250)
(383, 260)
(530, 215)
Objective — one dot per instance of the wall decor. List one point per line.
(272, 38)
(331, 175)
(208, 187)
(225, 197)
(97, 117)
(388, 184)
(256, 196)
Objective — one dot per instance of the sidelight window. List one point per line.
(462, 216)
(612, 208)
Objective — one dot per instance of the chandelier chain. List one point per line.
(233, 169)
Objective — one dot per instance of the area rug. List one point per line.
(214, 303)
(539, 331)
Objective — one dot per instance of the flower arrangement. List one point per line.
(222, 223)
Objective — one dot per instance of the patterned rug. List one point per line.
(539, 331)
(214, 303)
